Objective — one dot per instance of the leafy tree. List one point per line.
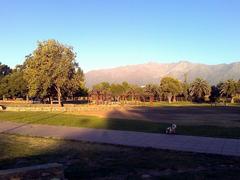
(75, 86)
(126, 89)
(51, 69)
(117, 90)
(4, 70)
(139, 93)
(13, 85)
(102, 91)
(238, 87)
(151, 90)
(170, 87)
(185, 90)
(215, 94)
(199, 88)
(229, 89)
(133, 91)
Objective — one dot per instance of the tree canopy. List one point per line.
(199, 88)
(229, 89)
(13, 85)
(52, 70)
(170, 87)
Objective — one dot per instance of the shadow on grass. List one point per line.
(88, 161)
(83, 160)
(223, 122)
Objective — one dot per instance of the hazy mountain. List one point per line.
(142, 74)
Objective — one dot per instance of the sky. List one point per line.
(110, 33)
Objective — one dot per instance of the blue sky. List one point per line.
(108, 33)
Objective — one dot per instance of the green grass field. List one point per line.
(64, 119)
(90, 161)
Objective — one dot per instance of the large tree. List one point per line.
(199, 88)
(51, 69)
(229, 89)
(170, 87)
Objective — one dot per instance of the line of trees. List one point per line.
(51, 72)
(169, 89)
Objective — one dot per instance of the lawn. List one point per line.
(90, 161)
(64, 119)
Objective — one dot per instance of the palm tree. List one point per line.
(199, 88)
(229, 89)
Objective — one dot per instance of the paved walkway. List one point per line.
(138, 139)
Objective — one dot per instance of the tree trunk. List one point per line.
(59, 94)
(151, 100)
(159, 98)
(51, 100)
(59, 99)
(174, 98)
(232, 100)
(169, 96)
(97, 98)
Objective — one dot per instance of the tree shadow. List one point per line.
(190, 115)
(84, 160)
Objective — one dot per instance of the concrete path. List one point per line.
(138, 139)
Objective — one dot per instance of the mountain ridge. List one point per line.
(152, 72)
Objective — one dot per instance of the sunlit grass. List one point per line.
(64, 119)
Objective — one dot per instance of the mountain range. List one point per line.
(152, 72)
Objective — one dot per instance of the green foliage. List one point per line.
(238, 87)
(170, 87)
(152, 91)
(215, 94)
(103, 88)
(52, 70)
(4, 70)
(185, 90)
(229, 89)
(116, 90)
(13, 85)
(199, 88)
